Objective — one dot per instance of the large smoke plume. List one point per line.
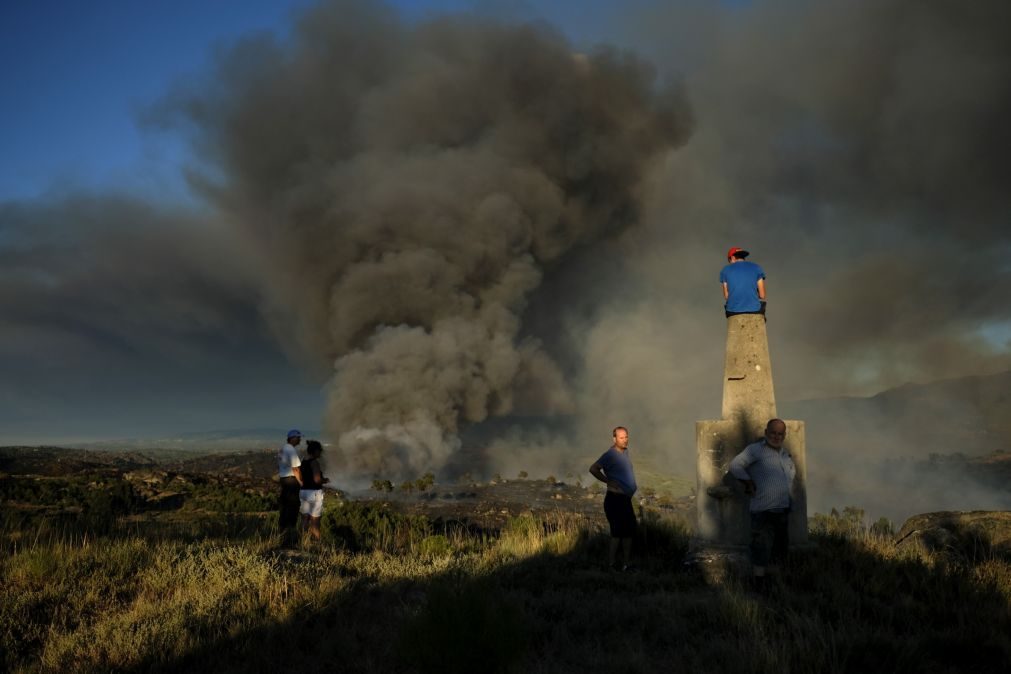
(407, 188)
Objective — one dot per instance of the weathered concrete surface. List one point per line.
(747, 372)
(968, 534)
(749, 401)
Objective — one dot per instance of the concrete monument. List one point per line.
(749, 401)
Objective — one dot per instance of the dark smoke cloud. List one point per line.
(408, 188)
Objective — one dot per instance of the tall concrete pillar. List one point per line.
(749, 401)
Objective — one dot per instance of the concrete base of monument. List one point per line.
(722, 507)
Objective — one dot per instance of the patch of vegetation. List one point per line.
(382, 486)
(221, 497)
(424, 482)
(370, 526)
(850, 522)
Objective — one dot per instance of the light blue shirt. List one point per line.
(771, 470)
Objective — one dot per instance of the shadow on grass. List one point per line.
(843, 605)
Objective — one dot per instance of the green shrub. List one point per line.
(367, 526)
(848, 523)
(382, 485)
(424, 482)
(435, 546)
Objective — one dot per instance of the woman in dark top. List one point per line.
(311, 494)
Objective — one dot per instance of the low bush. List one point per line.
(368, 526)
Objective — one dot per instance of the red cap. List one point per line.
(735, 250)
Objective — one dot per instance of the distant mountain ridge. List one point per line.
(225, 440)
(967, 415)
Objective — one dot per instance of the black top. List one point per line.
(309, 466)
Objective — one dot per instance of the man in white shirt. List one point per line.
(290, 473)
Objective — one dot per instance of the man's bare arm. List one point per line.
(598, 472)
(761, 289)
(297, 472)
(726, 293)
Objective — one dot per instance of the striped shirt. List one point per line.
(771, 470)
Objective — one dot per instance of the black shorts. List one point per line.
(620, 514)
(738, 313)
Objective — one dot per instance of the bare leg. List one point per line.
(314, 527)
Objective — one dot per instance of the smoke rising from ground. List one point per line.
(408, 187)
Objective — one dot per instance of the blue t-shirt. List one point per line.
(742, 286)
(618, 467)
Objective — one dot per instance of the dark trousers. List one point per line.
(289, 503)
(769, 537)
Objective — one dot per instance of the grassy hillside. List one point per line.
(389, 592)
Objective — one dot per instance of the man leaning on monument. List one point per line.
(743, 284)
(767, 471)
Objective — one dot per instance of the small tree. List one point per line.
(882, 528)
(382, 485)
(524, 475)
(424, 482)
(407, 486)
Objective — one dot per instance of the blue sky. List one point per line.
(77, 74)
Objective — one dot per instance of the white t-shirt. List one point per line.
(287, 458)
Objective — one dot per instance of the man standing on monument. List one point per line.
(743, 284)
(767, 471)
(614, 468)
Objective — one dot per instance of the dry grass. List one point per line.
(534, 599)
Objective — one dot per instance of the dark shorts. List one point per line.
(738, 313)
(289, 502)
(620, 515)
(769, 537)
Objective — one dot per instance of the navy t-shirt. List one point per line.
(742, 286)
(618, 467)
